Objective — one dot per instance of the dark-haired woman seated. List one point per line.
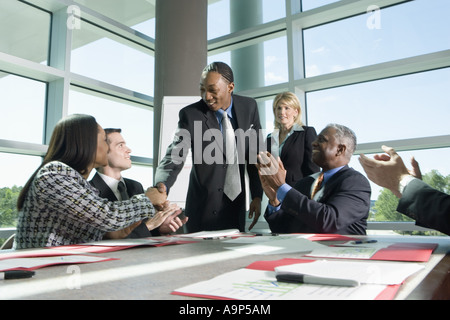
(58, 206)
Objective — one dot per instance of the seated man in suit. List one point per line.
(112, 186)
(338, 204)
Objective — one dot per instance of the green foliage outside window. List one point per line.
(385, 208)
(8, 206)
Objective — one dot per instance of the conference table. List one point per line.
(154, 272)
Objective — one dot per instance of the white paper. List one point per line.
(385, 273)
(8, 264)
(344, 252)
(275, 245)
(247, 284)
(264, 238)
(378, 245)
(125, 242)
(211, 234)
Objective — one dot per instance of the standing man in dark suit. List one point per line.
(112, 186)
(336, 200)
(209, 205)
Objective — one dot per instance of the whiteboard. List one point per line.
(171, 106)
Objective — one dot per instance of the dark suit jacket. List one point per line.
(429, 207)
(133, 188)
(206, 205)
(343, 207)
(296, 155)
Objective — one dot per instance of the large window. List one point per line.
(59, 58)
(18, 97)
(311, 4)
(402, 31)
(390, 109)
(134, 120)
(101, 55)
(24, 31)
(382, 70)
(268, 67)
(225, 16)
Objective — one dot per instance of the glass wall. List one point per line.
(24, 31)
(373, 109)
(13, 107)
(103, 56)
(220, 13)
(382, 71)
(385, 35)
(102, 63)
(112, 112)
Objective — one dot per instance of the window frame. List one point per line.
(293, 25)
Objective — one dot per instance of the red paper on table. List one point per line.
(100, 248)
(330, 237)
(413, 252)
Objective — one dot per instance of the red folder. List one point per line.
(413, 252)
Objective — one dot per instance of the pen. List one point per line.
(364, 241)
(303, 278)
(16, 274)
(213, 238)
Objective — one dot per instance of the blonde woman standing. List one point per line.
(291, 140)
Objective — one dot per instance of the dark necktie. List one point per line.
(123, 191)
(317, 185)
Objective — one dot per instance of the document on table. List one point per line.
(127, 242)
(35, 263)
(248, 284)
(263, 238)
(219, 234)
(344, 252)
(385, 273)
(413, 252)
(280, 245)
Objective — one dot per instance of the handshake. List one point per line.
(167, 217)
(158, 195)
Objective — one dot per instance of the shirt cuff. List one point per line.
(282, 191)
(281, 194)
(271, 209)
(404, 182)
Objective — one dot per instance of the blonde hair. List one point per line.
(291, 100)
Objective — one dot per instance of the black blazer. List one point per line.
(429, 207)
(343, 207)
(296, 154)
(206, 205)
(133, 188)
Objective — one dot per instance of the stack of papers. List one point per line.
(385, 273)
(251, 284)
